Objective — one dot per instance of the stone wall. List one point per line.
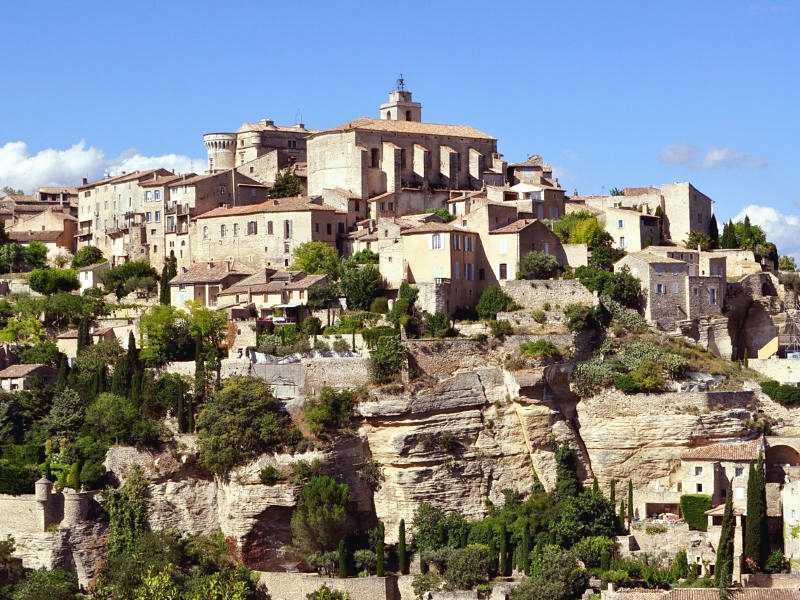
(781, 370)
(344, 372)
(440, 358)
(537, 293)
(577, 255)
(296, 586)
(21, 514)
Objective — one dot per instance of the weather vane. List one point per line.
(401, 83)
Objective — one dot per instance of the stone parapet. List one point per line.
(297, 586)
(538, 293)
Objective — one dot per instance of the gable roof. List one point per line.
(208, 272)
(652, 258)
(434, 227)
(35, 236)
(411, 127)
(263, 282)
(515, 227)
(728, 451)
(15, 371)
(293, 204)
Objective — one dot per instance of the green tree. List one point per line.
(240, 421)
(567, 482)
(492, 301)
(84, 333)
(124, 278)
(537, 265)
(723, 571)
(631, 511)
(698, 239)
(713, 232)
(380, 552)
(320, 517)
(329, 412)
(116, 419)
(342, 552)
(317, 258)
(25, 331)
(164, 331)
(361, 284)
(11, 258)
(387, 359)
(45, 584)
(127, 514)
(728, 238)
(787, 263)
(35, 255)
(87, 255)
(756, 536)
(402, 551)
(287, 184)
(558, 576)
(50, 280)
(168, 272)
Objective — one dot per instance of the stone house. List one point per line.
(265, 234)
(67, 341)
(22, 377)
(631, 230)
(671, 293)
(67, 197)
(269, 291)
(89, 276)
(53, 227)
(203, 281)
(369, 157)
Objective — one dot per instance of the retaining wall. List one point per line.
(536, 293)
(297, 586)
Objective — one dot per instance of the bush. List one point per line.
(17, 479)
(787, 395)
(581, 317)
(320, 519)
(537, 265)
(467, 567)
(46, 584)
(269, 475)
(595, 552)
(437, 325)
(115, 419)
(387, 359)
(361, 284)
(655, 528)
(620, 287)
(88, 255)
(693, 508)
(425, 582)
(366, 561)
(493, 300)
(645, 379)
(379, 305)
(326, 593)
(329, 412)
(540, 349)
(324, 563)
(776, 563)
(116, 278)
(50, 281)
(341, 345)
(372, 334)
(303, 471)
(501, 328)
(539, 316)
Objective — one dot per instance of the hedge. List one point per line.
(788, 395)
(694, 507)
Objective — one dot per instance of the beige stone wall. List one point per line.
(686, 209)
(631, 230)
(335, 372)
(335, 161)
(782, 370)
(698, 296)
(296, 586)
(534, 294)
(577, 255)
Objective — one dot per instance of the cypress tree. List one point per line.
(62, 377)
(567, 482)
(101, 384)
(713, 232)
(756, 539)
(133, 354)
(380, 569)
(163, 287)
(612, 494)
(630, 503)
(728, 238)
(525, 554)
(136, 386)
(84, 336)
(342, 559)
(502, 567)
(622, 516)
(595, 486)
(402, 551)
(121, 378)
(199, 380)
(724, 567)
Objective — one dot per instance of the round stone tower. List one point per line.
(43, 489)
(221, 148)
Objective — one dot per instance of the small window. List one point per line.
(286, 248)
(619, 224)
(436, 241)
(622, 241)
(157, 195)
(252, 228)
(328, 228)
(235, 229)
(158, 216)
(340, 227)
(222, 230)
(269, 227)
(481, 274)
(316, 227)
(698, 471)
(738, 471)
(205, 233)
(375, 157)
(402, 158)
(712, 295)
(148, 216)
(457, 270)
(503, 271)
(699, 488)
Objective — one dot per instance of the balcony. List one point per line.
(84, 232)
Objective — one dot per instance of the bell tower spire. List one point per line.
(400, 107)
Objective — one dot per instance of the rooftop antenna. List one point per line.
(298, 116)
(401, 83)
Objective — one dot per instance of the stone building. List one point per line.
(671, 293)
(67, 197)
(22, 377)
(630, 229)
(52, 227)
(720, 469)
(398, 152)
(265, 234)
(203, 281)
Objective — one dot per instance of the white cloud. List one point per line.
(716, 157)
(21, 169)
(781, 228)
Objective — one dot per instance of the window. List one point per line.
(503, 271)
(222, 230)
(660, 288)
(738, 471)
(619, 224)
(148, 195)
(148, 216)
(287, 229)
(458, 162)
(674, 288)
(712, 295)
(340, 227)
(292, 143)
(457, 270)
(699, 488)
(157, 195)
(481, 274)
(328, 228)
(222, 190)
(205, 233)
(286, 247)
(436, 241)
(235, 229)
(158, 216)
(622, 241)
(408, 115)
(252, 228)
(546, 248)
(503, 246)
(358, 206)
(374, 157)
(469, 272)
(457, 242)
(468, 243)
(698, 471)
(155, 249)
(269, 227)
(316, 227)
(402, 158)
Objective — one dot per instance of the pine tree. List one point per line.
(380, 568)
(724, 567)
(713, 232)
(756, 538)
(622, 516)
(342, 559)
(402, 550)
(630, 503)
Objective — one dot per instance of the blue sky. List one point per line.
(612, 94)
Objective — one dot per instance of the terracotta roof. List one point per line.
(294, 204)
(192, 179)
(59, 190)
(125, 177)
(163, 180)
(670, 249)
(35, 236)
(731, 451)
(208, 272)
(261, 282)
(411, 127)
(24, 370)
(434, 227)
(516, 226)
(650, 257)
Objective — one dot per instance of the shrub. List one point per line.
(320, 518)
(540, 349)
(269, 475)
(467, 567)
(340, 345)
(776, 562)
(379, 305)
(693, 508)
(387, 359)
(316, 257)
(537, 265)
(655, 528)
(492, 301)
(425, 582)
(116, 278)
(620, 287)
(324, 563)
(49, 281)
(303, 471)
(88, 255)
(581, 317)
(787, 395)
(372, 334)
(17, 479)
(437, 325)
(646, 379)
(331, 411)
(118, 420)
(47, 584)
(361, 284)
(501, 328)
(326, 593)
(366, 561)
(595, 552)
(539, 316)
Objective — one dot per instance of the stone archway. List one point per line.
(777, 457)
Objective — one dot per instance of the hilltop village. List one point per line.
(380, 361)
